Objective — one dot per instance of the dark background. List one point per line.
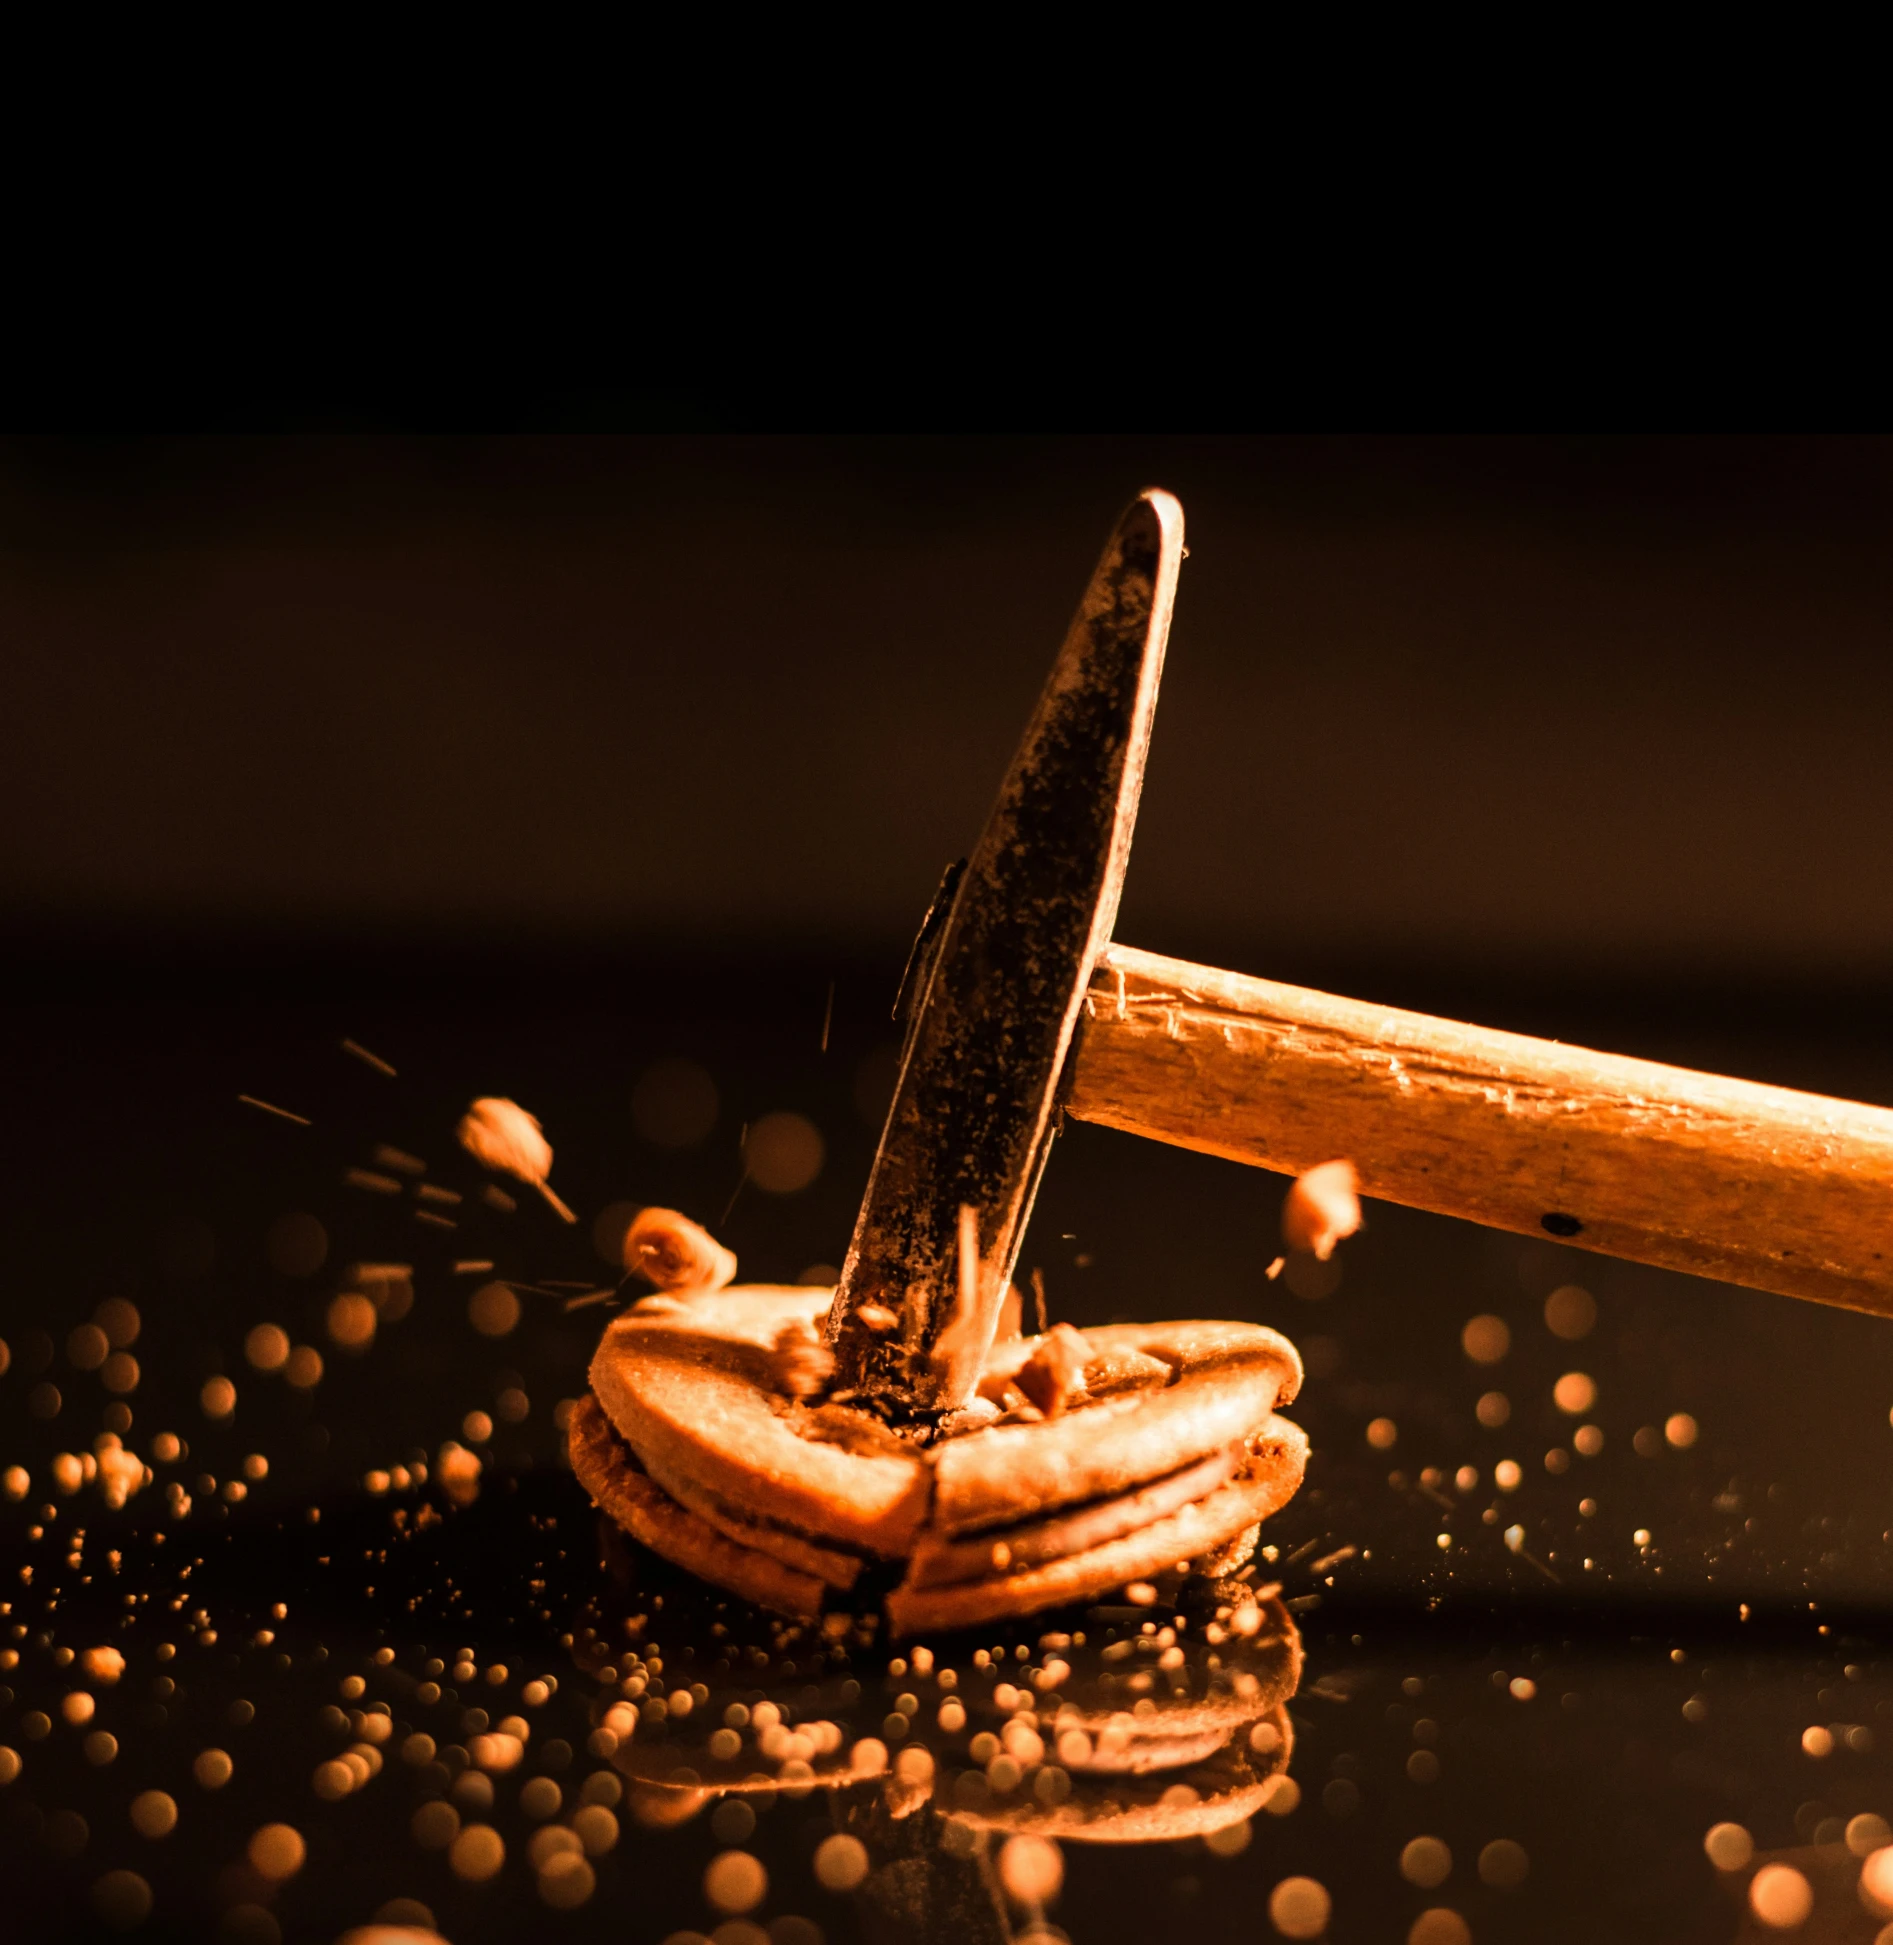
(1608, 710)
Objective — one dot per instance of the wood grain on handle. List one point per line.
(1723, 1178)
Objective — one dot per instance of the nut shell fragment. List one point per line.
(671, 1251)
(1321, 1209)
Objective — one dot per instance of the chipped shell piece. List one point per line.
(1055, 1372)
(800, 1363)
(1321, 1209)
(500, 1134)
(669, 1250)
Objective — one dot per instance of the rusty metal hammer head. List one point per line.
(993, 992)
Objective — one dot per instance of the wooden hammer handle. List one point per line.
(1722, 1178)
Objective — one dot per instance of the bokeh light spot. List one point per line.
(1299, 1907)
(297, 1245)
(735, 1882)
(784, 1153)
(674, 1104)
(1728, 1846)
(1426, 1862)
(351, 1322)
(493, 1310)
(1780, 1897)
(1486, 1339)
(1570, 1312)
(267, 1347)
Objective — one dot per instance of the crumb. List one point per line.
(799, 1362)
(500, 1134)
(1021, 1415)
(1055, 1373)
(674, 1253)
(854, 1431)
(975, 1415)
(1321, 1209)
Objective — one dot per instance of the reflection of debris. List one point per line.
(458, 1473)
(121, 1473)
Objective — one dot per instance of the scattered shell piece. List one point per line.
(800, 1363)
(1321, 1209)
(674, 1253)
(1055, 1373)
(501, 1135)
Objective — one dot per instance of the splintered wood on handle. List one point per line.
(1722, 1178)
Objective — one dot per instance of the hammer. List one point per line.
(1019, 1009)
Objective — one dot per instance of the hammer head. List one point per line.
(993, 994)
